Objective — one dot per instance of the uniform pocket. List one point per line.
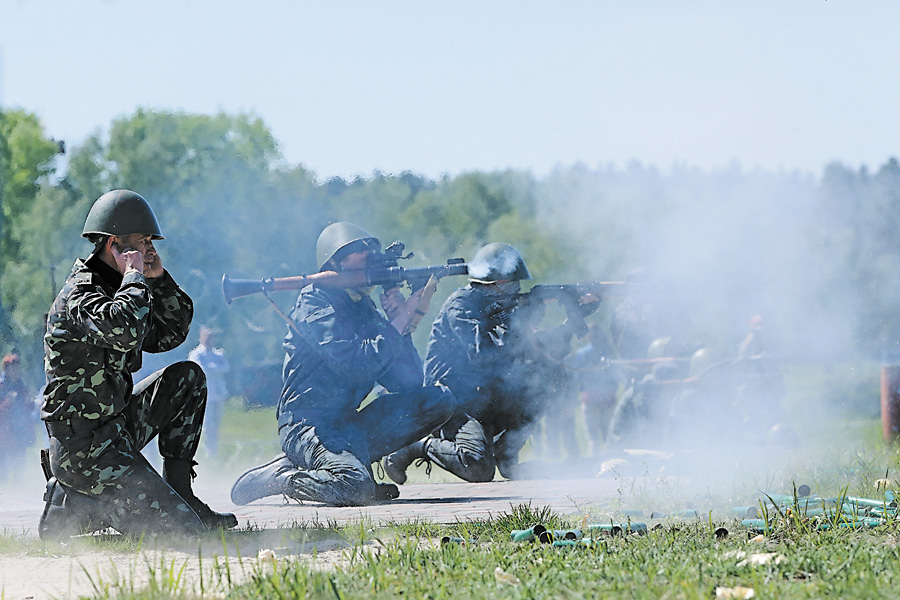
(91, 460)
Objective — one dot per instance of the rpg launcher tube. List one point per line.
(778, 499)
(860, 524)
(527, 535)
(884, 513)
(787, 498)
(548, 537)
(615, 529)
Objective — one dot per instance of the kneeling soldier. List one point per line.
(338, 348)
(116, 304)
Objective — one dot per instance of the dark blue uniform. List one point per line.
(483, 348)
(342, 348)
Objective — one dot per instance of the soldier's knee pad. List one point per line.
(480, 472)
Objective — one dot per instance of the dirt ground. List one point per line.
(80, 569)
(86, 568)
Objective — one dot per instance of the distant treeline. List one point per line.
(817, 256)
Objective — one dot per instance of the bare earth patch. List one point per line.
(73, 572)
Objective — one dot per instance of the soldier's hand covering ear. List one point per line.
(127, 259)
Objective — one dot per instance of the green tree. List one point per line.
(26, 163)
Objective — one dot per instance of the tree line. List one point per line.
(816, 255)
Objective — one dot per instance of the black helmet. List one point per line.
(335, 241)
(497, 262)
(121, 212)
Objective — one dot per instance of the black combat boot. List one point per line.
(395, 464)
(67, 513)
(179, 473)
(269, 479)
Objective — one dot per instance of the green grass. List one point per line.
(674, 561)
(843, 453)
(677, 558)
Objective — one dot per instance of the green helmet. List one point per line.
(335, 242)
(498, 262)
(659, 348)
(121, 212)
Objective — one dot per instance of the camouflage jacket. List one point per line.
(96, 330)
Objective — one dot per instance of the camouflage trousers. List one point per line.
(100, 462)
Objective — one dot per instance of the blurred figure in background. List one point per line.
(597, 383)
(634, 324)
(17, 417)
(214, 363)
(560, 437)
(753, 346)
(640, 416)
(762, 391)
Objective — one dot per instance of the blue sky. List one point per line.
(349, 87)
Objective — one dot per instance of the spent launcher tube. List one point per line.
(385, 276)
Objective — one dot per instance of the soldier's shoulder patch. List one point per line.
(319, 313)
(83, 278)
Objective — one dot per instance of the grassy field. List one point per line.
(691, 558)
(710, 555)
(685, 561)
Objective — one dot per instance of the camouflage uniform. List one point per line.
(98, 421)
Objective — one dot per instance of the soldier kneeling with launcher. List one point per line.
(338, 347)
